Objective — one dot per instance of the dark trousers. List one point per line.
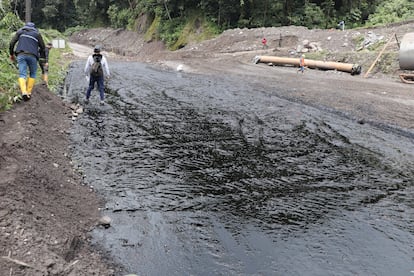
(100, 82)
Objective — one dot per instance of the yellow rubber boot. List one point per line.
(23, 88)
(45, 77)
(30, 84)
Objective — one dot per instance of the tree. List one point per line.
(58, 14)
(392, 11)
(61, 14)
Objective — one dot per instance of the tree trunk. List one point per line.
(28, 11)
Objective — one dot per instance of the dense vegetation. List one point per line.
(63, 14)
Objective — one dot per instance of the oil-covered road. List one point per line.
(221, 176)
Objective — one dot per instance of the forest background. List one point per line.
(177, 22)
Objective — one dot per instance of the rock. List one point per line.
(180, 68)
(79, 110)
(105, 221)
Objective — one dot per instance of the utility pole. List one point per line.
(28, 11)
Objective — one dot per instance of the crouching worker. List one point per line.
(96, 68)
(302, 64)
(30, 47)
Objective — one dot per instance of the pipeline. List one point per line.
(354, 69)
(406, 55)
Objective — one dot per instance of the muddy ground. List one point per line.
(45, 210)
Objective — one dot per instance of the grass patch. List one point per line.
(58, 65)
(195, 30)
(152, 32)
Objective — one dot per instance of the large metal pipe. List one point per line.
(406, 55)
(354, 69)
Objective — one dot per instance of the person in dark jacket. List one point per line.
(44, 63)
(30, 47)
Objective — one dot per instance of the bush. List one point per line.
(392, 11)
(69, 31)
(10, 22)
(9, 91)
(119, 18)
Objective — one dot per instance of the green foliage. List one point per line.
(8, 85)
(50, 11)
(10, 22)
(388, 62)
(354, 18)
(69, 31)
(176, 33)
(225, 14)
(376, 46)
(170, 32)
(50, 34)
(119, 18)
(56, 14)
(313, 16)
(57, 64)
(392, 11)
(152, 32)
(9, 90)
(319, 55)
(358, 41)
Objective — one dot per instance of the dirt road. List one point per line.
(381, 98)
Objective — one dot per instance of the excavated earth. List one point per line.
(377, 94)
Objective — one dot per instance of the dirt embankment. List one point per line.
(45, 210)
(350, 46)
(380, 98)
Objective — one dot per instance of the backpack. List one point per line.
(96, 68)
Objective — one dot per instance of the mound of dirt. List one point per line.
(348, 46)
(45, 211)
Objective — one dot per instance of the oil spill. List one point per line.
(219, 175)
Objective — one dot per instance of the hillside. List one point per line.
(358, 46)
(379, 98)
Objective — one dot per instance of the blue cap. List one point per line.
(30, 24)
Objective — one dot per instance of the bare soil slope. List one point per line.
(45, 211)
(243, 45)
